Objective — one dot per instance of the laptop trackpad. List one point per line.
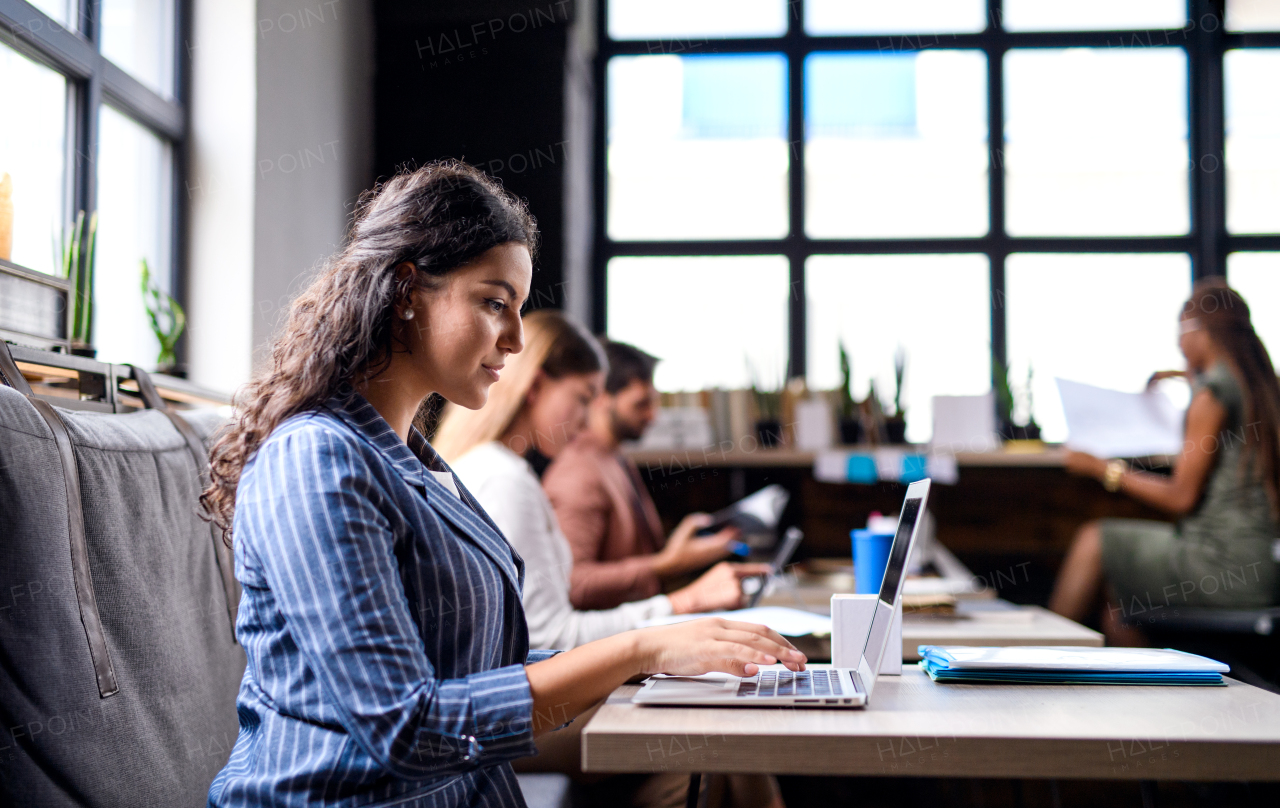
(687, 686)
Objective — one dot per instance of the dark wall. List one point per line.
(482, 81)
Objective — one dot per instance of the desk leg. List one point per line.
(695, 791)
(1150, 799)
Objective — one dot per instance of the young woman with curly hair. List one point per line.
(388, 654)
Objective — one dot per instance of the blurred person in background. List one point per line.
(604, 508)
(1224, 490)
(537, 409)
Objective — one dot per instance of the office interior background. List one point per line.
(982, 192)
(737, 188)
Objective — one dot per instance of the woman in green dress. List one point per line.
(1224, 490)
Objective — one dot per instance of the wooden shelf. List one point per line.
(712, 457)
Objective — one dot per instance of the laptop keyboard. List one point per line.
(816, 683)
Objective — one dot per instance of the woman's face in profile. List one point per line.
(558, 408)
(1194, 342)
(464, 330)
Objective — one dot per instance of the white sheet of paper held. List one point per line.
(1111, 423)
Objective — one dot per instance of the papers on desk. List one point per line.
(1109, 423)
(1069, 665)
(787, 622)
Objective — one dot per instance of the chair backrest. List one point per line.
(116, 608)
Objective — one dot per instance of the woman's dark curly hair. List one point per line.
(342, 328)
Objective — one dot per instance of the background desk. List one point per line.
(1009, 518)
(914, 727)
(1022, 625)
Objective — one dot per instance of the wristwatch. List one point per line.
(1111, 477)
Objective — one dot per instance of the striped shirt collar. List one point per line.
(411, 461)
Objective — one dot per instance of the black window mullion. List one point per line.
(87, 147)
(179, 271)
(600, 175)
(797, 312)
(1206, 122)
(997, 240)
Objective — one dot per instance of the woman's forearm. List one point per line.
(1168, 494)
(569, 683)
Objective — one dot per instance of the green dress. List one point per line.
(1220, 554)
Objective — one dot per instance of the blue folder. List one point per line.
(1069, 666)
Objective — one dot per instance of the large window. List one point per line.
(92, 123)
(981, 184)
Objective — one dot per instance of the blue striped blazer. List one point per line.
(382, 622)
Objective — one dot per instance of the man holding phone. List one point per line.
(604, 508)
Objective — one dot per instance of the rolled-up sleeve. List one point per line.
(320, 530)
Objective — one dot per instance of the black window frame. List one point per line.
(94, 80)
(1208, 243)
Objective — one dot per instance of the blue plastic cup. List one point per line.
(870, 558)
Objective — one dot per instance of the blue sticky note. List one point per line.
(913, 468)
(862, 469)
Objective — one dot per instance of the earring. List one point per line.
(407, 314)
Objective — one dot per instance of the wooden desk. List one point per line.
(914, 727)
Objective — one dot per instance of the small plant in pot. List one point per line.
(1032, 430)
(850, 419)
(76, 254)
(895, 425)
(167, 321)
(1005, 395)
(768, 403)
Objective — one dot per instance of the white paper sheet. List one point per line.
(787, 622)
(1109, 423)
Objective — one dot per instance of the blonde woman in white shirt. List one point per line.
(537, 407)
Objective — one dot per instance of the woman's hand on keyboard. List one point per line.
(714, 644)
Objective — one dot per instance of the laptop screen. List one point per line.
(897, 566)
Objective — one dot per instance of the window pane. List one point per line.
(1107, 320)
(33, 154)
(1253, 15)
(59, 10)
(876, 303)
(697, 147)
(1093, 15)
(896, 144)
(897, 17)
(682, 19)
(1253, 140)
(707, 318)
(1256, 276)
(138, 36)
(135, 213)
(1096, 142)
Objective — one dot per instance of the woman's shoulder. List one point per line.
(1222, 384)
(318, 433)
(491, 469)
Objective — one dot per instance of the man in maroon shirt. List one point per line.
(604, 509)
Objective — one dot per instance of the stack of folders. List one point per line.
(1069, 666)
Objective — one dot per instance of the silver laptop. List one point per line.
(817, 685)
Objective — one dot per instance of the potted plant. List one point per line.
(167, 321)
(768, 411)
(1004, 399)
(1032, 429)
(1009, 429)
(850, 420)
(76, 255)
(896, 425)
